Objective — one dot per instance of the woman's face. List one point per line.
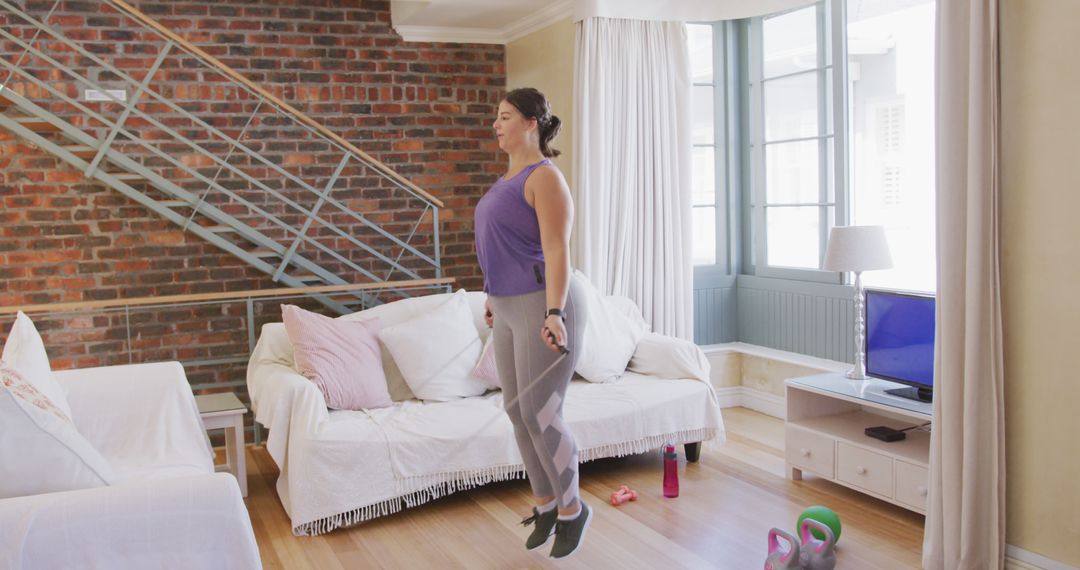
(513, 130)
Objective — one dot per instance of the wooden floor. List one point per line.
(728, 503)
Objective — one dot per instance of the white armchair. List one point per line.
(166, 509)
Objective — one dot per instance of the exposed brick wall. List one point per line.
(423, 109)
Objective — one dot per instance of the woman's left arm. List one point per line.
(555, 212)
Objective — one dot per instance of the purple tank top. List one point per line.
(508, 238)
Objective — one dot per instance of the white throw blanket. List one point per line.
(343, 467)
(426, 442)
(159, 435)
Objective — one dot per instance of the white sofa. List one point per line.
(166, 507)
(341, 467)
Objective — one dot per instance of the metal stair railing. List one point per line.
(97, 60)
(280, 216)
(117, 184)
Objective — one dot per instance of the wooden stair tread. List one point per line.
(261, 252)
(127, 176)
(217, 229)
(308, 277)
(174, 203)
(80, 150)
(37, 125)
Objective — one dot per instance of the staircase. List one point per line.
(265, 182)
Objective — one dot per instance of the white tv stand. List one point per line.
(826, 416)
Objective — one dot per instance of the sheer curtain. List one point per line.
(965, 523)
(632, 158)
(632, 149)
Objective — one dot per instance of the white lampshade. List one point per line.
(857, 248)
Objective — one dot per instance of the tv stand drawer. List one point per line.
(864, 469)
(809, 450)
(911, 485)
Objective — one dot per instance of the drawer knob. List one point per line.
(922, 490)
(860, 470)
(805, 452)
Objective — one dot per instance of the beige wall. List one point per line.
(1041, 273)
(545, 60)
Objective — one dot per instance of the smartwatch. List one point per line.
(556, 312)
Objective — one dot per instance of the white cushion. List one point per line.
(25, 352)
(669, 357)
(610, 336)
(628, 308)
(40, 449)
(405, 309)
(437, 351)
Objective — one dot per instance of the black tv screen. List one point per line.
(900, 337)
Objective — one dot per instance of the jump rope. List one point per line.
(563, 353)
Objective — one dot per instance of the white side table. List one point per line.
(226, 411)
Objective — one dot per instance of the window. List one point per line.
(838, 130)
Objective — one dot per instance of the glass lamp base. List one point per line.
(855, 374)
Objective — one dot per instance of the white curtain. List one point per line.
(632, 153)
(965, 524)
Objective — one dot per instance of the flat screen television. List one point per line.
(900, 341)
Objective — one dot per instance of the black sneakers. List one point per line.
(568, 534)
(541, 533)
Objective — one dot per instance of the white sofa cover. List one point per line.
(168, 509)
(341, 467)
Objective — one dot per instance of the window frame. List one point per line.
(727, 153)
(719, 230)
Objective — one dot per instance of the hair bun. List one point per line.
(553, 125)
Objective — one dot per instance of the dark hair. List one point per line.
(533, 105)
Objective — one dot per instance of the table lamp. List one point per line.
(857, 249)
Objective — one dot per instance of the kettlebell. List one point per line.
(782, 559)
(816, 554)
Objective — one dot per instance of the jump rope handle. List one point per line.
(562, 349)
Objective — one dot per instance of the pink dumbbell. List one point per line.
(622, 495)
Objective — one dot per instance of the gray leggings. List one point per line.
(546, 444)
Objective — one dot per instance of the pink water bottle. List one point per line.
(671, 471)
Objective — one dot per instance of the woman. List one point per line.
(523, 245)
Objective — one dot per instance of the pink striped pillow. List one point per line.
(485, 370)
(342, 358)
